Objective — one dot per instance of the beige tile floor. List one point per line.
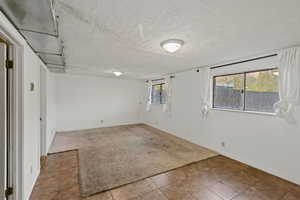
(217, 178)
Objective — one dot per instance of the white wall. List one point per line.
(28, 109)
(83, 101)
(262, 141)
(51, 109)
(31, 123)
(48, 109)
(43, 110)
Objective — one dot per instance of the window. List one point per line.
(249, 91)
(159, 94)
(228, 91)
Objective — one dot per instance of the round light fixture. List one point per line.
(172, 45)
(117, 73)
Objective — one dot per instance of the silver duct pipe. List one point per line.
(37, 22)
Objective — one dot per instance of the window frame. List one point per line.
(160, 93)
(243, 110)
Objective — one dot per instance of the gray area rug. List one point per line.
(112, 157)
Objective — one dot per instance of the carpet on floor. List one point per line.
(128, 154)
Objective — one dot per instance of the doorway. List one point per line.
(43, 113)
(6, 149)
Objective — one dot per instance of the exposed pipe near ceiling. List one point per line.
(40, 21)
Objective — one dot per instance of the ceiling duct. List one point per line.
(37, 22)
(54, 59)
(43, 43)
(56, 68)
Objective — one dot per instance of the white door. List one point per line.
(43, 111)
(3, 121)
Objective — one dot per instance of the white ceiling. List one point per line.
(101, 36)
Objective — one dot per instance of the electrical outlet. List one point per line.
(102, 121)
(223, 144)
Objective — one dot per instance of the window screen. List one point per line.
(261, 90)
(228, 91)
(248, 91)
(159, 93)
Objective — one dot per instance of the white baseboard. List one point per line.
(34, 182)
(99, 126)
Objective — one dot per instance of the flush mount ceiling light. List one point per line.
(117, 73)
(172, 45)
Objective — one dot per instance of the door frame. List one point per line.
(8, 33)
(4, 116)
(43, 111)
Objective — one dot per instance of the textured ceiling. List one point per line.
(101, 36)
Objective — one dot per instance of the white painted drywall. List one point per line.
(262, 141)
(31, 123)
(83, 101)
(43, 110)
(51, 109)
(32, 106)
(28, 65)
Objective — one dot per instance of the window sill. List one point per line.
(247, 112)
